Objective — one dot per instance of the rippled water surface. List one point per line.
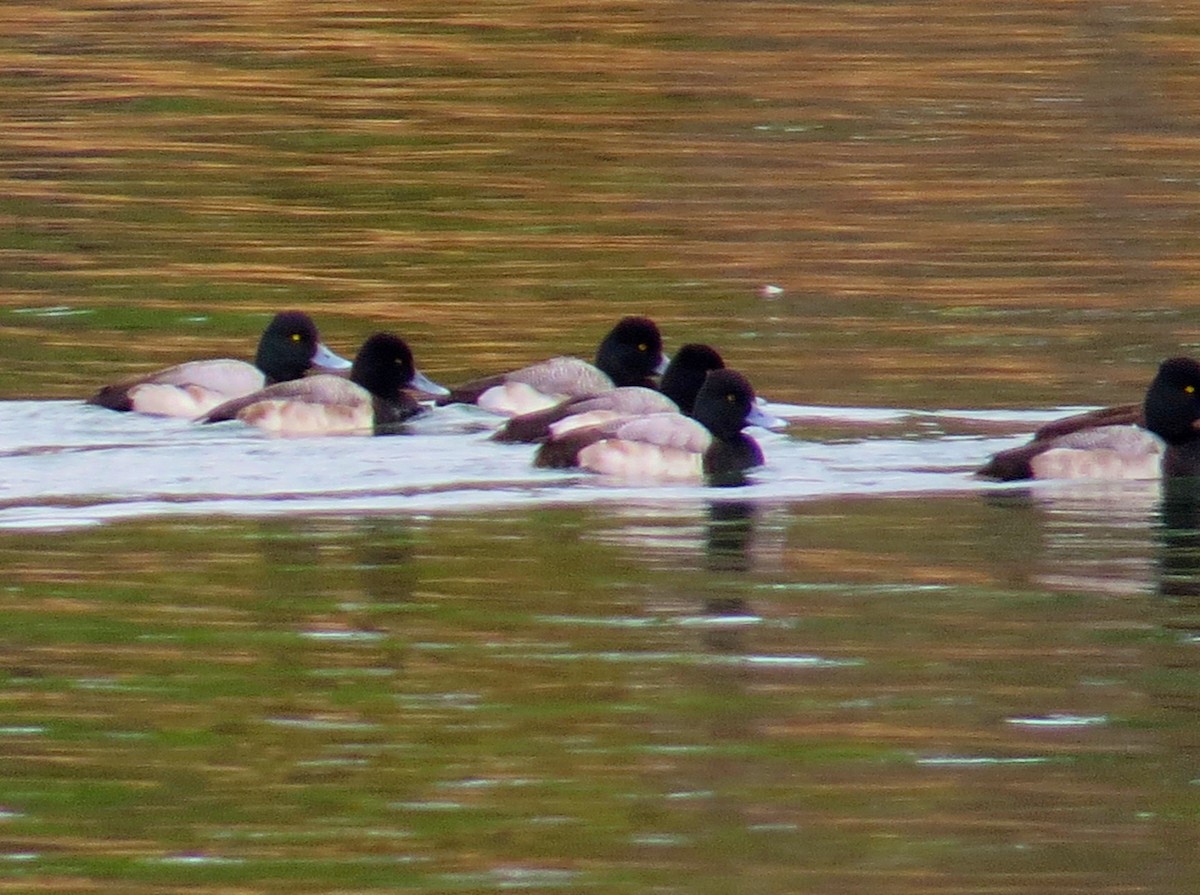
(705, 695)
(236, 663)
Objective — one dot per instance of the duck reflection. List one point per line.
(303, 560)
(289, 564)
(1174, 690)
(730, 535)
(386, 565)
(1179, 540)
(342, 582)
(728, 549)
(1091, 537)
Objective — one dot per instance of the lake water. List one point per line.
(237, 663)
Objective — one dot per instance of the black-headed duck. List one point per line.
(631, 354)
(375, 399)
(676, 393)
(289, 348)
(1157, 437)
(708, 445)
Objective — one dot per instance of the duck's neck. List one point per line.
(727, 459)
(390, 413)
(1182, 459)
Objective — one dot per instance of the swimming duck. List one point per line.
(676, 394)
(670, 446)
(373, 400)
(630, 354)
(289, 347)
(1157, 437)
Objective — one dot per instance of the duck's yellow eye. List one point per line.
(643, 347)
(731, 397)
(295, 337)
(1190, 389)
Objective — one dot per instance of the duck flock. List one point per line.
(629, 414)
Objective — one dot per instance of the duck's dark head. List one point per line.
(1172, 406)
(290, 346)
(686, 373)
(384, 365)
(631, 352)
(724, 402)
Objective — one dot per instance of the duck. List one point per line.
(1159, 437)
(676, 393)
(707, 446)
(375, 399)
(630, 354)
(289, 347)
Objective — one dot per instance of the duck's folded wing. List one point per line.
(232, 377)
(533, 388)
(668, 430)
(325, 388)
(469, 392)
(1109, 452)
(569, 377)
(1119, 415)
(658, 447)
(541, 386)
(576, 412)
(635, 400)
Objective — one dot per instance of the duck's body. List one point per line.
(373, 400)
(630, 354)
(681, 383)
(1115, 434)
(1102, 452)
(668, 446)
(1130, 441)
(290, 347)
(533, 388)
(184, 390)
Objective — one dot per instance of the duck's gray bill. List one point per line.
(326, 359)
(423, 383)
(758, 416)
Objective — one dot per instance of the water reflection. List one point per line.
(595, 689)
